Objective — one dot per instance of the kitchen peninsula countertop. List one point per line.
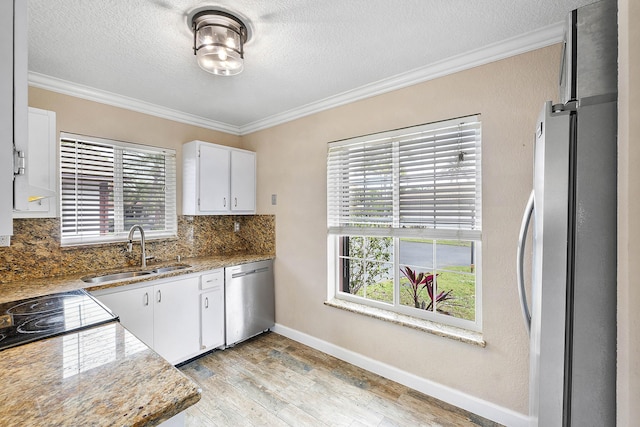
(99, 376)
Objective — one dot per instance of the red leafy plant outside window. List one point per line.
(419, 281)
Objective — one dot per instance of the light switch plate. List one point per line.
(274, 199)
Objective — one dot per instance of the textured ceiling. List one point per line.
(303, 55)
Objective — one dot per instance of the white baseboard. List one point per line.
(449, 395)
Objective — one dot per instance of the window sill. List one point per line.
(458, 334)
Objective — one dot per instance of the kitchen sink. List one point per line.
(115, 276)
(131, 274)
(170, 268)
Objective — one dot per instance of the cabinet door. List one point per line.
(243, 181)
(212, 318)
(176, 320)
(36, 190)
(213, 179)
(135, 309)
(13, 100)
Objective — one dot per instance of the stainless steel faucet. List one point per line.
(143, 256)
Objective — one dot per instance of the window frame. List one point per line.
(336, 233)
(119, 233)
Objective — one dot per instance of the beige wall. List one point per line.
(292, 164)
(84, 117)
(628, 214)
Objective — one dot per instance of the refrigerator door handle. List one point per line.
(522, 241)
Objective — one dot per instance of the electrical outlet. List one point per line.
(274, 199)
(236, 227)
(5, 240)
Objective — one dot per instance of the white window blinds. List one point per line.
(424, 179)
(108, 186)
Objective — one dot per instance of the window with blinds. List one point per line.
(424, 179)
(404, 221)
(108, 186)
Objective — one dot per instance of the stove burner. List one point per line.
(39, 305)
(50, 315)
(47, 323)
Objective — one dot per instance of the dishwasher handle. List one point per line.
(249, 272)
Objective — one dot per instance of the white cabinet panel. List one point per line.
(212, 310)
(176, 323)
(212, 318)
(213, 179)
(13, 100)
(36, 190)
(243, 181)
(135, 309)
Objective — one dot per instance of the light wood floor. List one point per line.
(271, 380)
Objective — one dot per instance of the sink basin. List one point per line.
(130, 274)
(115, 276)
(169, 268)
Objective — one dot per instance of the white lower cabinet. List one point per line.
(176, 322)
(178, 318)
(212, 310)
(163, 314)
(135, 309)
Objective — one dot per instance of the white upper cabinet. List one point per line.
(13, 99)
(243, 181)
(217, 180)
(35, 191)
(213, 178)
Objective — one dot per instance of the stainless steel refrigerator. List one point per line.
(572, 209)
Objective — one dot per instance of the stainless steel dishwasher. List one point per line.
(249, 300)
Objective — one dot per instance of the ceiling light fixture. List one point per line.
(218, 42)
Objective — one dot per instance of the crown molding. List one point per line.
(540, 38)
(92, 94)
(537, 39)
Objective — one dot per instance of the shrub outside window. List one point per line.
(108, 186)
(404, 221)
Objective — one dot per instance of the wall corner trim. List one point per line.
(449, 395)
(65, 87)
(517, 45)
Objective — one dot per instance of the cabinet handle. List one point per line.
(224, 202)
(236, 202)
(146, 298)
(159, 296)
(206, 302)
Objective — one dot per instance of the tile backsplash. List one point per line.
(35, 250)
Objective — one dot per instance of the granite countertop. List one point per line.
(13, 291)
(99, 376)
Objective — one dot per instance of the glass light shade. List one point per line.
(218, 43)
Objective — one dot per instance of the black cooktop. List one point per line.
(46, 316)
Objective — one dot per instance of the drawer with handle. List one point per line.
(212, 280)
